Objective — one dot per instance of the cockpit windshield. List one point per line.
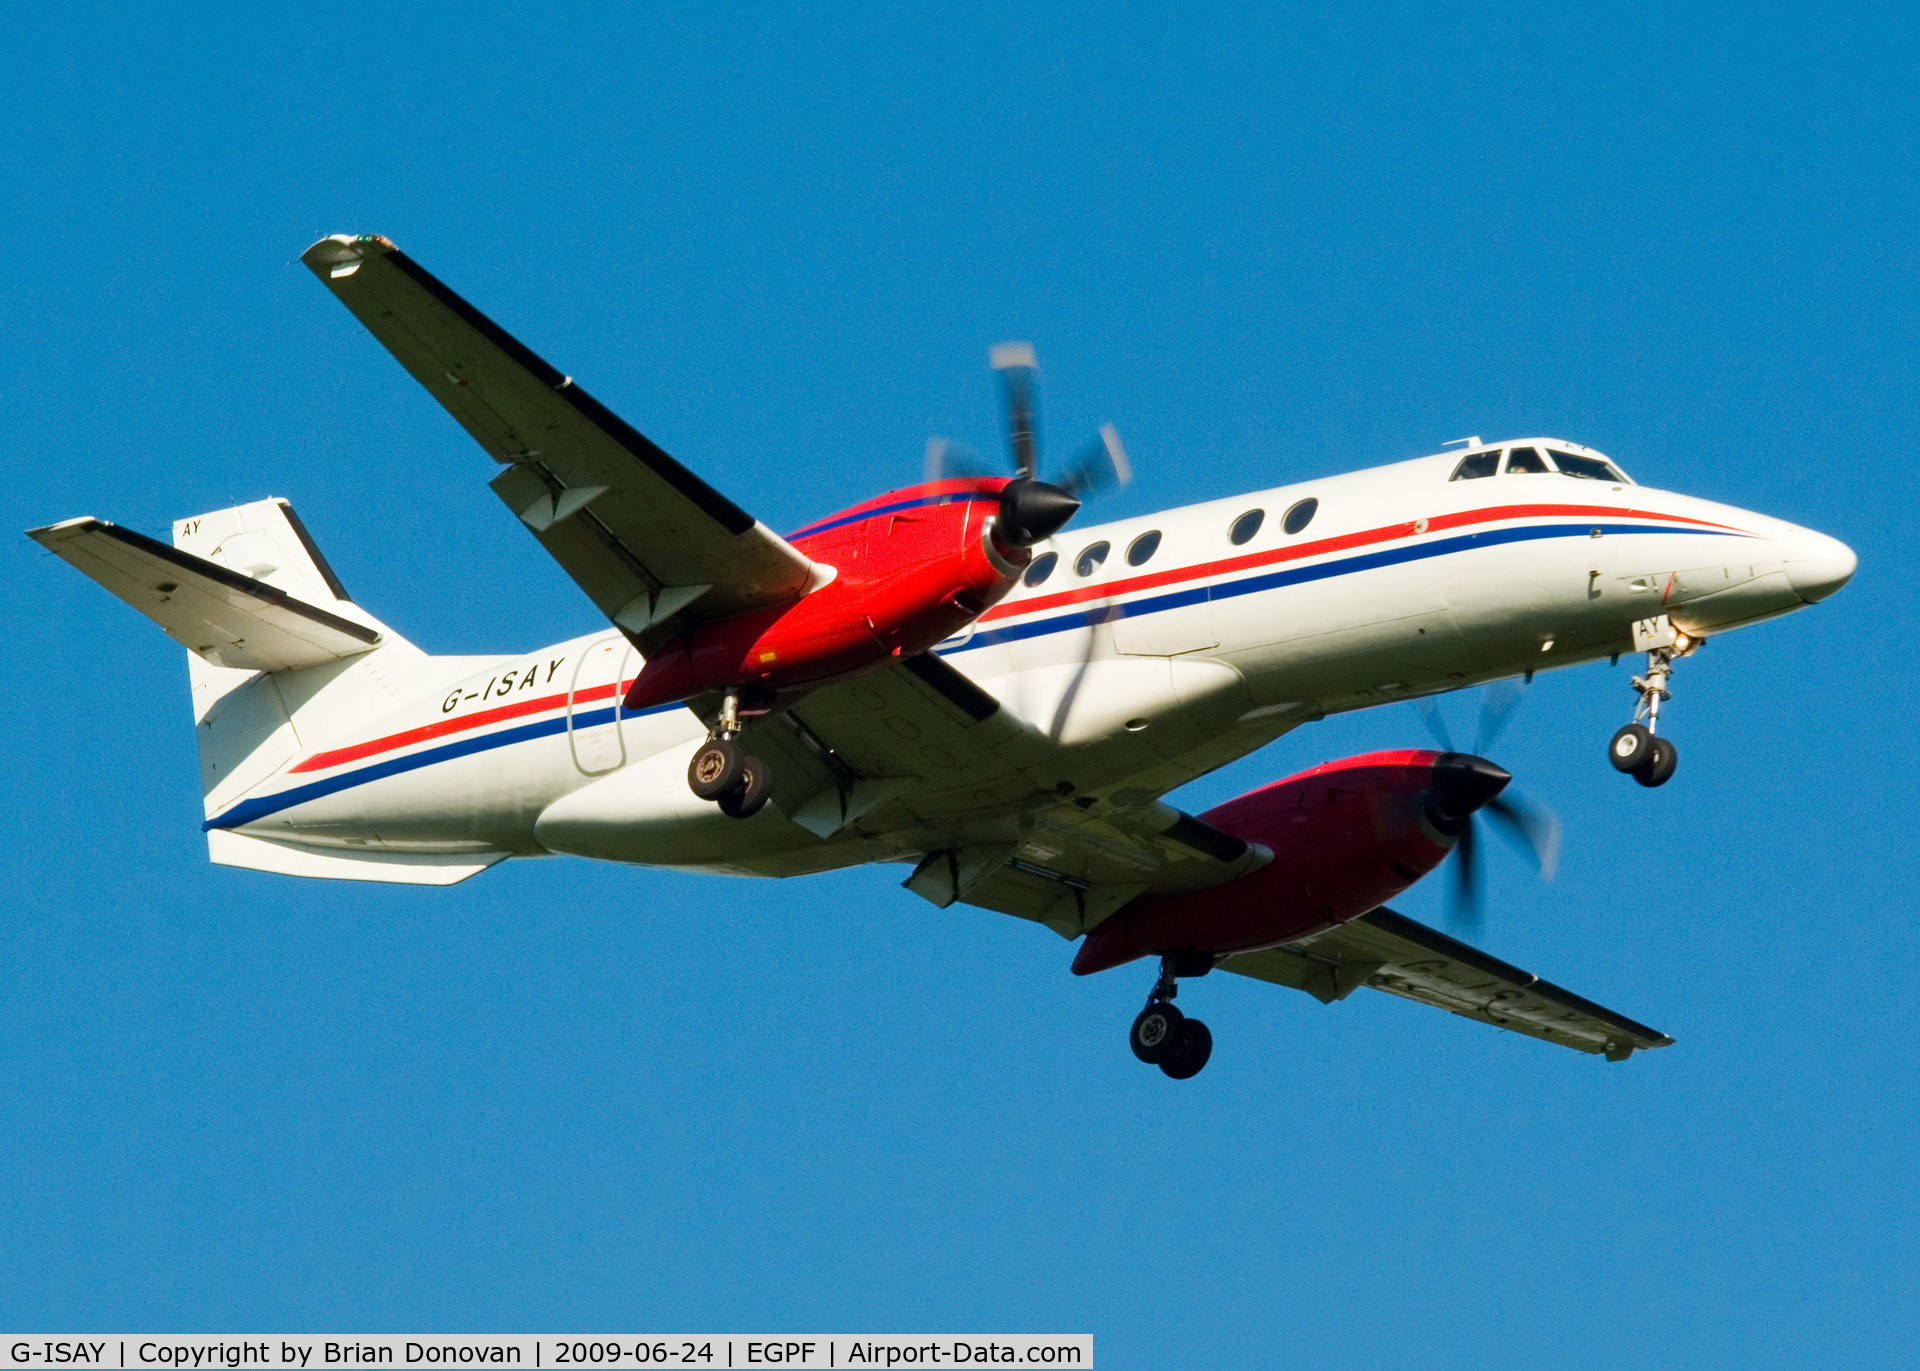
(1587, 468)
(1477, 465)
(1529, 461)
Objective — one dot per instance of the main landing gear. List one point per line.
(1164, 1037)
(1636, 749)
(724, 772)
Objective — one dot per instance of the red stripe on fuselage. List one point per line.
(320, 761)
(1342, 543)
(443, 727)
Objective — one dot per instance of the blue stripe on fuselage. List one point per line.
(1293, 576)
(247, 811)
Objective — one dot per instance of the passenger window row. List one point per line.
(1140, 551)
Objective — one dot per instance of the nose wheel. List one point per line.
(1637, 749)
(1164, 1037)
(724, 772)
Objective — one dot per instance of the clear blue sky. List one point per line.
(1267, 245)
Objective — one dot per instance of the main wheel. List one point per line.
(715, 768)
(1192, 1045)
(750, 796)
(1631, 748)
(1154, 1031)
(1660, 765)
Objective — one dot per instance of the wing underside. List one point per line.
(653, 546)
(933, 768)
(1390, 952)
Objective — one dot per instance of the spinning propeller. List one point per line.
(1032, 509)
(1529, 826)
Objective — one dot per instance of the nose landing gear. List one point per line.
(1164, 1037)
(1636, 749)
(724, 772)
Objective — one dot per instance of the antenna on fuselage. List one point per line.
(1470, 442)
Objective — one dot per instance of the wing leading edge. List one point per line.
(1390, 952)
(655, 547)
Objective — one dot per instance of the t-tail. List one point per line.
(279, 659)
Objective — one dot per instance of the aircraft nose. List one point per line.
(1818, 565)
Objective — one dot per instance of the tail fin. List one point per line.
(279, 659)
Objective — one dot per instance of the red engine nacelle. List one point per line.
(914, 566)
(1346, 837)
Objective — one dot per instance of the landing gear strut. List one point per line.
(1164, 1037)
(723, 771)
(1636, 749)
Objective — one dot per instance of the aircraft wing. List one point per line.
(1390, 952)
(654, 546)
(932, 769)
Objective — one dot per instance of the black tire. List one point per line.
(1154, 1031)
(1631, 749)
(1659, 768)
(1192, 1045)
(715, 768)
(750, 796)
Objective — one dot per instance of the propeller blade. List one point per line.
(1466, 895)
(1529, 826)
(1016, 365)
(1497, 705)
(1100, 465)
(947, 461)
(1437, 726)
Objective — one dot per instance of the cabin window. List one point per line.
(1143, 547)
(1479, 464)
(1246, 526)
(1041, 569)
(1089, 561)
(1300, 516)
(1587, 468)
(1525, 461)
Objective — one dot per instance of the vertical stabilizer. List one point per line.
(250, 724)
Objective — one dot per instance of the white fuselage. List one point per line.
(1403, 583)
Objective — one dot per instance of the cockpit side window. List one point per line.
(1478, 465)
(1525, 460)
(1587, 468)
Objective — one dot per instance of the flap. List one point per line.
(653, 545)
(230, 619)
(1391, 952)
(919, 754)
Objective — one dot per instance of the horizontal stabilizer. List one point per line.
(348, 864)
(227, 618)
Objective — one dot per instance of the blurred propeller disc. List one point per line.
(1099, 465)
(948, 461)
(1527, 825)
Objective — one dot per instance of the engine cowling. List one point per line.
(1346, 837)
(912, 567)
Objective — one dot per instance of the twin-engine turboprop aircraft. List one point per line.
(945, 677)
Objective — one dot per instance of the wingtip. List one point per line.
(340, 254)
(47, 532)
